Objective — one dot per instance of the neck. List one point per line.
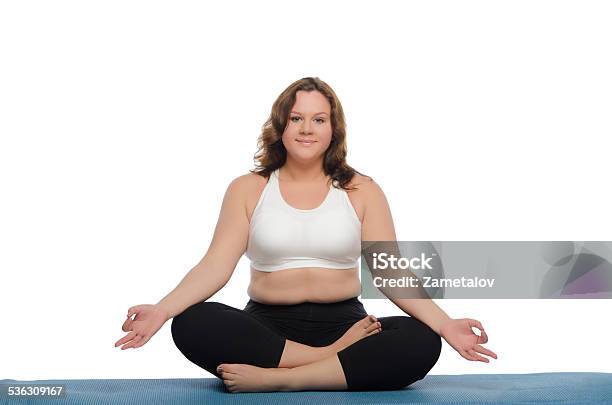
(303, 172)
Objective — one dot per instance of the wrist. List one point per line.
(443, 325)
(164, 311)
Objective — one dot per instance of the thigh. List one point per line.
(211, 333)
(401, 354)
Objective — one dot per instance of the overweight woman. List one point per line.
(300, 217)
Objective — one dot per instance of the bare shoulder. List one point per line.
(366, 187)
(247, 184)
(249, 187)
(366, 193)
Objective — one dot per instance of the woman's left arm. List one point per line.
(378, 225)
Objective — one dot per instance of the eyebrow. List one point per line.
(322, 112)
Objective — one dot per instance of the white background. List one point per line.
(122, 123)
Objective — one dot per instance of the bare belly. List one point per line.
(305, 284)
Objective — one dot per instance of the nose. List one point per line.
(305, 127)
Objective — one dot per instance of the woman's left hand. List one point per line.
(459, 334)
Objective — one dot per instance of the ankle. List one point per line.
(286, 380)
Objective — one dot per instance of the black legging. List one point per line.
(211, 333)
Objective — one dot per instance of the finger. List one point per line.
(133, 310)
(132, 342)
(374, 332)
(483, 338)
(142, 342)
(129, 344)
(477, 356)
(124, 339)
(373, 318)
(483, 335)
(127, 325)
(466, 355)
(475, 323)
(374, 326)
(483, 350)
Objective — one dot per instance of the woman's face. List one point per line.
(309, 131)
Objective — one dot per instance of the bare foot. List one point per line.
(363, 328)
(248, 378)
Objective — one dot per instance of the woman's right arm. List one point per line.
(217, 266)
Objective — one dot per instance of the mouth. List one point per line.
(305, 142)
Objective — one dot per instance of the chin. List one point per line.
(301, 156)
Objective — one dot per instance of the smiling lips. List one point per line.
(305, 142)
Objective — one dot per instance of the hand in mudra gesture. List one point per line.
(148, 320)
(459, 334)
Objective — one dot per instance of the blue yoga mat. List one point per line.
(540, 388)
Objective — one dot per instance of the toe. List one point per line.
(229, 368)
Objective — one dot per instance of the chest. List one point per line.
(305, 197)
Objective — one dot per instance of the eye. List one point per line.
(318, 120)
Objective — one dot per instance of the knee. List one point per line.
(433, 348)
(430, 341)
(423, 349)
(194, 338)
(183, 324)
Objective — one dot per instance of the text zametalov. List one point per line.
(384, 261)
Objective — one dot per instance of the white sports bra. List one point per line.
(283, 237)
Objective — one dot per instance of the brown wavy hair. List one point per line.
(271, 153)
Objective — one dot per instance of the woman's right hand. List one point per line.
(148, 320)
